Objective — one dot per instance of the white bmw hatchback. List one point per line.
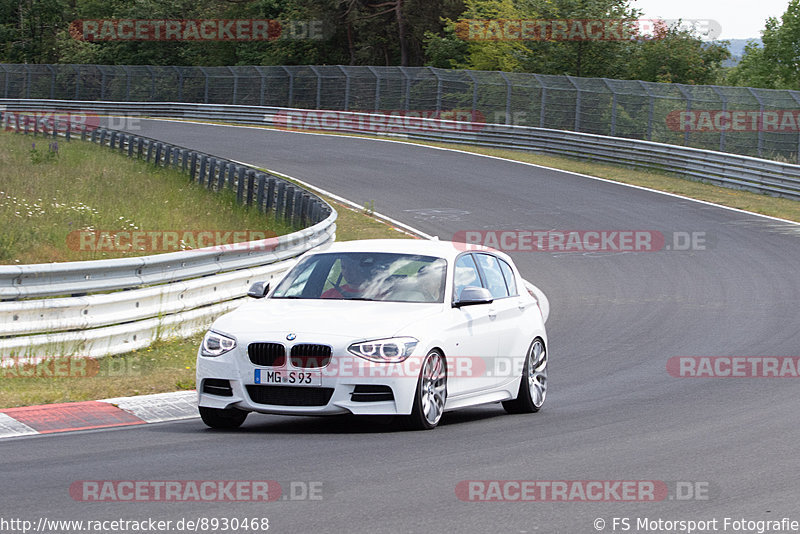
(402, 327)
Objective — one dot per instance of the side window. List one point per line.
(508, 274)
(495, 282)
(466, 274)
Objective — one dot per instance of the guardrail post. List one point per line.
(304, 209)
(221, 178)
(287, 215)
(251, 182)
(35, 127)
(184, 160)
(314, 211)
(131, 143)
(68, 132)
(212, 172)
(150, 150)
(231, 175)
(270, 194)
(203, 164)
(167, 155)
(240, 185)
(193, 166)
(279, 203)
(122, 139)
(112, 142)
(262, 186)
(83, 133)
(298, 206)
(103, 134)
(159, 148)
(139, 147)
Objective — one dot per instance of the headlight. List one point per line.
(215, 344)
(390, 350)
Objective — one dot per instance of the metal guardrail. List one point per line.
(175, 293)
(720, 168)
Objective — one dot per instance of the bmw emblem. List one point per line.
(291, 337)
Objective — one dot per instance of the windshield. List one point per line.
(366, 276)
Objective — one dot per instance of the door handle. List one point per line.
(492, 313)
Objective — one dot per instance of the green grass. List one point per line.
(48, 200)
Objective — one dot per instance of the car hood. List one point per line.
(352, 319)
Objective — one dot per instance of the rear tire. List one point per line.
(533, 386)
(431, 394)
(222, 419)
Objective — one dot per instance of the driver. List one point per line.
(354, 277)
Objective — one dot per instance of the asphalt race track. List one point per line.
(613, 412)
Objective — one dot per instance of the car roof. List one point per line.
(442, 249)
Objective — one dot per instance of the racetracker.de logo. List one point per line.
(562, 490)
(719, 120)
(170, 240)
(581, 241)
(175, 490)
(48, 121)
(734, 366)
(578, 29)
(381, 121)
(194, 30)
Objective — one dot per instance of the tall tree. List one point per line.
(676, 55)
(28, 29)
(605, 57)
(777, 64)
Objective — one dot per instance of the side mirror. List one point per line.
(258, 290)
(471, 295)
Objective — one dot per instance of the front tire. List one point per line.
(431, 393)
(533, 387)
(222, 419)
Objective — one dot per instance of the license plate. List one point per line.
(288, 378)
